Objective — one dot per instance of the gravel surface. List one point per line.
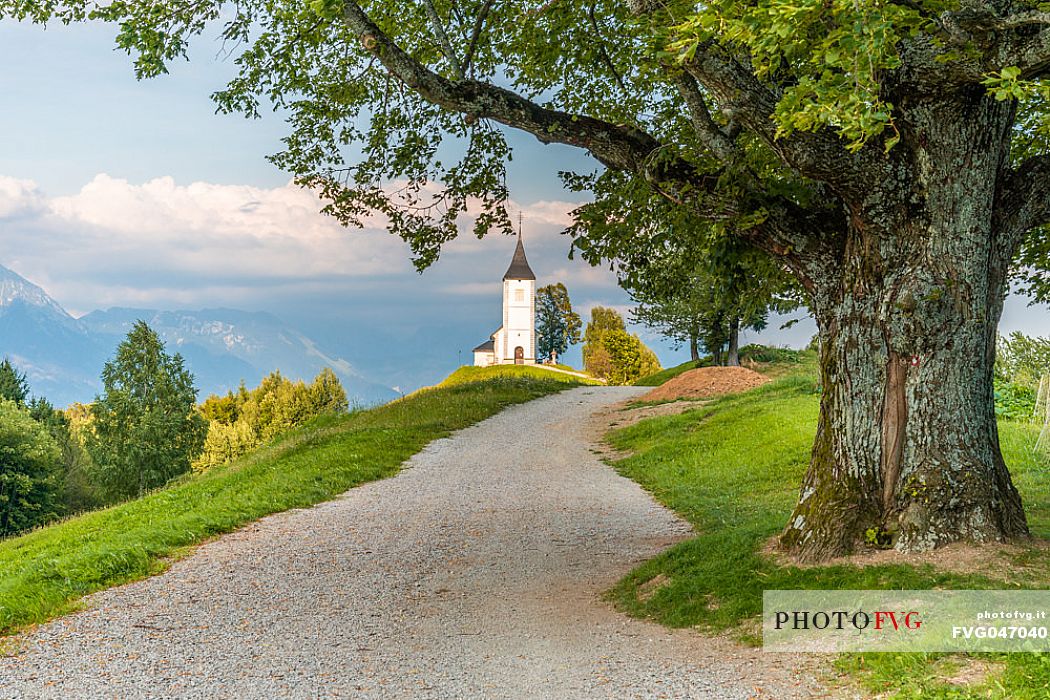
(477, 572)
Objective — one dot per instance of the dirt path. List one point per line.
(475, 573)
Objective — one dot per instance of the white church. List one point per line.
(514, 343)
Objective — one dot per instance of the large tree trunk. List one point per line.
(694, 344)
(907, 449)
(733, 354)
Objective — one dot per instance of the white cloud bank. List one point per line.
(19, 198)
(222, 230)
(163, 244)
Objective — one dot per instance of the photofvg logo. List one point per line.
(833, 621)
(859, 620)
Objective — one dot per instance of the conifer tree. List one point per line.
(13, 384)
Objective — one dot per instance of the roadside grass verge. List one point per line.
(44, 573)
(467, 374)
(732, 468)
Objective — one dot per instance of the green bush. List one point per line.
(629, 357)
(30, 469)
(765, 353)
(1014, 401)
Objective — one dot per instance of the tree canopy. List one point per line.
(613, 354)
(146, 427)
(240, 422)
(557, 325)
(30, 468)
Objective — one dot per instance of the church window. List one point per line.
(519, 295)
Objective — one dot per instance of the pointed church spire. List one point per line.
(519, 266)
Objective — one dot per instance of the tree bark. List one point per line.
(694, 344)
(907, 449)
(733, 354)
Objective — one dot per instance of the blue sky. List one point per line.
(116, 192)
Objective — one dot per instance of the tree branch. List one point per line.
(797, 233)
(1020, 39)
(475, 35)
(1022, 201)
(716, 140)
(1031, 54)
(606, 59)
(442, 38)
(983, 20)
(819, 155)
(616, 146)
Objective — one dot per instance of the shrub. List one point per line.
(1014, 401)
(30, 469)
(765, 353)
(628, 356)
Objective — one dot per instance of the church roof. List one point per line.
(487, 346)
(519, 267)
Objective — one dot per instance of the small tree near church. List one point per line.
(557, 325)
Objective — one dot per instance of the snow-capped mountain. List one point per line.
(14, 289)
(63, 356)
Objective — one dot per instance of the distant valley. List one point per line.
(62, 356)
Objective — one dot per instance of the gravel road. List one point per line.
(477, 572)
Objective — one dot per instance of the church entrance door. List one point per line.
(519, 355)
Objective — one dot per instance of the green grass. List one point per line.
(45, 572)
(732, 469)
(467, 374)
(665, 375)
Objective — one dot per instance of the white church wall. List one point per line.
(518, 317)
(519, 298)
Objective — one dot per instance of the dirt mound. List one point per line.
(706, 382)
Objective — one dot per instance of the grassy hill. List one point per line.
(733, 467)
(43, 573)
(468, 374)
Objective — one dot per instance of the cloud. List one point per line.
(163, 244)
(19, 198)
(224, 231)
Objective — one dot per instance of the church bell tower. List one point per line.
(519, 311)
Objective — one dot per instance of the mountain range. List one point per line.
(62, 356)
